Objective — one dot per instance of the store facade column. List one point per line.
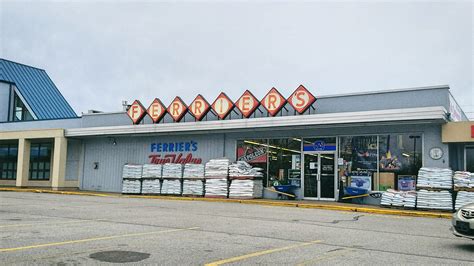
(58, 174)
(23, 162)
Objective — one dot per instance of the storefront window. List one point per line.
(254, 152)
(284, 158)
(400, 160)
(40, 161)
(8, 161)
(359, 162)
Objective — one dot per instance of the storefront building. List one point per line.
(320, 144)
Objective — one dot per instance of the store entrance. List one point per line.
(319, 176)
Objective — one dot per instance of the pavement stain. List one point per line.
(119, 256)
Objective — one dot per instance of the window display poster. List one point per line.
(406, 182)
(361, 180)
(252, 154)
(364, 155)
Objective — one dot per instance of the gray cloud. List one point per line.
(99, 53)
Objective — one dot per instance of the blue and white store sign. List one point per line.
(319, 145)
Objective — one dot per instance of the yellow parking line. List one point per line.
(260, 253)
(93, 239)
(47, 223)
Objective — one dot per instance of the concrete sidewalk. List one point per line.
(337, 206)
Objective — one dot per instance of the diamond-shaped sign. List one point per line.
(301, 99)
(247, 103)
(199, 107)
(136, 112)
(177, 109)
(222, 105)
(273, 101)
(156, 110)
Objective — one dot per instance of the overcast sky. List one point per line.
(100, 53)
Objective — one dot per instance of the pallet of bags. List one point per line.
(131, 179)
(151, 185)
(171, 187)
(463, 179)
(463, 198)
(193, 187)
(152, 170)
(436, 200)
(195, 171)
(432, 177)
(246, 188)
(242, 169)
(217, 168)
(132, 171)
(172, 170)
(405, 199)
(216, 187)
(131, 186)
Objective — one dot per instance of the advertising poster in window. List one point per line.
(252, 153)
(364, 154)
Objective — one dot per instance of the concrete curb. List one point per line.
(247, 201)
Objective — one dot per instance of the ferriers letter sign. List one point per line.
(300, 100)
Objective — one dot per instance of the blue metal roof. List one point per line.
(37, 89)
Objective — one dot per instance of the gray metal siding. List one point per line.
(383, 101)
(134, 149)
(41, 124)
(73, 159)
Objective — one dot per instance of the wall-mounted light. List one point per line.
(112, 140)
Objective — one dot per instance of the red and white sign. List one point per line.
(247, 103)
(156, 110)
(199, 107)
(136, 112)
(301, 99)
(273, 101)
(174, 158)
(177, 109)
(222, 105)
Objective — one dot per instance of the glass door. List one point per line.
(319, 176)
(311, 168)
(327, 176)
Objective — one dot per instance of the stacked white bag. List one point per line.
(172, 170)
(193, 187)
(463, 179)
(432, 177)
(438, 200)
(216, 187)
(152, 170)
(192, 182)
(131, 178)
(464, 198)
(217, 168)
(245, 181)
(216, 172)
(171, 187)
(151, 183)
(241, 168)
(399, 198)
(246, 188)
(193, 171)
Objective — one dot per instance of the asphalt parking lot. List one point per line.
(70, 230)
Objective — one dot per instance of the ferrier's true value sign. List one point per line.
(300, 100)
